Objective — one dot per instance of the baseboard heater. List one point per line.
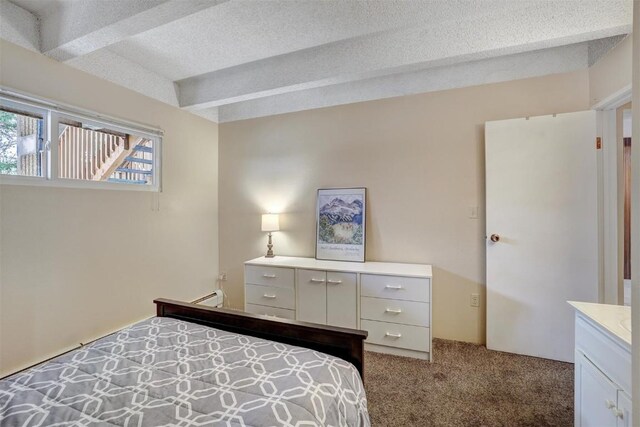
(215, 299)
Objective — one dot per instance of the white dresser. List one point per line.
(392, 301)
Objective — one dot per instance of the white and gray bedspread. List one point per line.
(166, 372)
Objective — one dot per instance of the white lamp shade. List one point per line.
(270, 222)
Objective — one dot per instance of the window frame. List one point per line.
(51, 117)
(30, 180)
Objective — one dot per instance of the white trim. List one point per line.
(157, 163)
(608, 184)
(600, 207)
(635, 221)
(73, 183)
(615, 100)
(52, 143)
(610, 207)
(44, 113)
(627, 123)
(47, 104)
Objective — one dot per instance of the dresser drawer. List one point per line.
(271, 311)
(395, 287)
(271, 296)
(394, 335)
(395, 311)
(269, 276)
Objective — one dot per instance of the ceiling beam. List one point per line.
(78, 28)
(556, 60)
(114, 68)
(19, 26)
(513, 29)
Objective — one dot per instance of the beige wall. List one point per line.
(76, 264)
(421, 158)
(611, 73)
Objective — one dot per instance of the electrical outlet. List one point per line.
(475, 300)
(222, 277)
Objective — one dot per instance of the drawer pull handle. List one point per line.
(389, 334)
(269, 296)
(610, 404)
(394, 287)
(316, 280)
(269, 276)
(393, 310)
(334, 282)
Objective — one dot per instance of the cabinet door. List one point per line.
(341, 300)
(624, 409)
(595, 397)
(312, 296)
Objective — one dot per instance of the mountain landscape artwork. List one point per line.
(341, 225)
(341, 221)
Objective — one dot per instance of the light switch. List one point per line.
(474, 212)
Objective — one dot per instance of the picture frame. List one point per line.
(341, 224)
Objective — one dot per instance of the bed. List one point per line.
(194, 365)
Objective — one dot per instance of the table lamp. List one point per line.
(270, 222)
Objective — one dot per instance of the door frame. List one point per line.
(611, 284)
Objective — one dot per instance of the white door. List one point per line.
(341, 300)
(541, 203)
(312, 296)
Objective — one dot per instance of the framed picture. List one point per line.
(340, 224)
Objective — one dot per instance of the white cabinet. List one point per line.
(391, 301)
(342, 298)
(270, 291)
(602, 366)
(596, 395)
(396, 311)
(624, 409)
(395, 287)
(312, 296)
(327, 297)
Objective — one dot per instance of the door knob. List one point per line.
(495, 238)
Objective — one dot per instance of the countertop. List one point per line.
(385, 268)
(609, 317)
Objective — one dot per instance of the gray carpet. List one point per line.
(468, 385)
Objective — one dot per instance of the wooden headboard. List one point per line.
(347, 344)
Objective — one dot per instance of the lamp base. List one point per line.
(269, 248)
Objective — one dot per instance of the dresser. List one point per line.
(392, 301)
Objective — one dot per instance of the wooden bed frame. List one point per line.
(347, 344)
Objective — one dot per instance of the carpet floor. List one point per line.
(468, 385)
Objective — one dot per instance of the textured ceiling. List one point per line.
(235, 59)
(39, 7)
(239, 32)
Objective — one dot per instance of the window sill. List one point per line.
(70, 183)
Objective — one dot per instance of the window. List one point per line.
(94, 152)
(22, 150)
(88, 152)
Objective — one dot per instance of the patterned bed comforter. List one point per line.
(166, 372)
